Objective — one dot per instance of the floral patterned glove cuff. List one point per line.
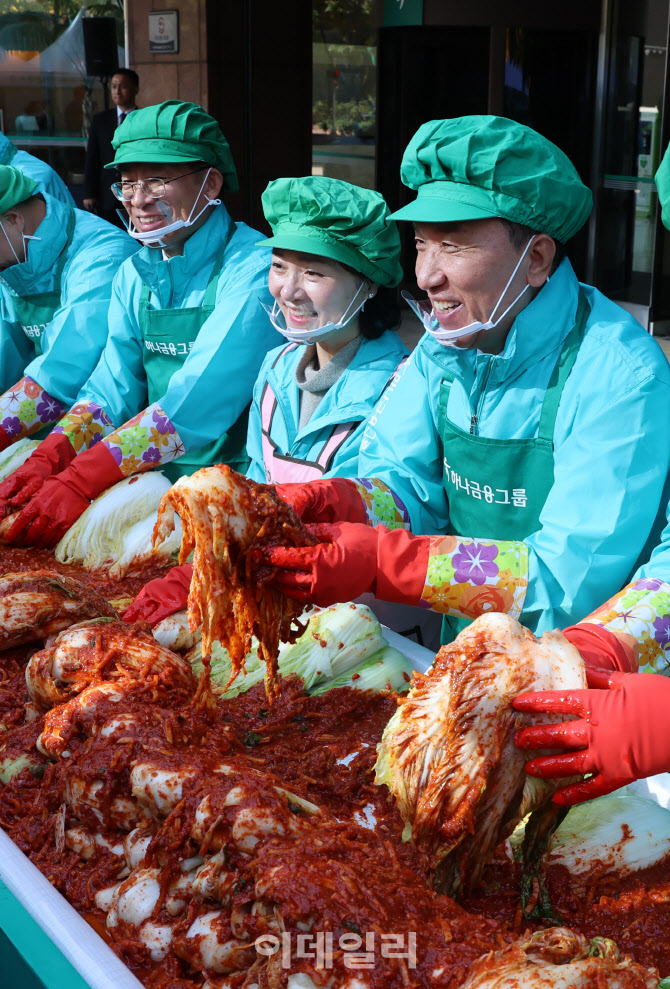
(146, 440)
(383, 507)
(639, 615)
(26, 407)
(85, 425)
(467, 578)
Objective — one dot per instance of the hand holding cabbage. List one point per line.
(621, 734)
(62, 499)
(50, 457)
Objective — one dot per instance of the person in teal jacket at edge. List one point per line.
(335, 252)
(57, 264)
(621, 729)
(529, 425)
(187, 334)
(47, 179)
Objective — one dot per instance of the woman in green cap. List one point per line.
(334, 257)
(334, 253)
(187, 335)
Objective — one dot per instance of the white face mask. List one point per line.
(154, 238)
(24, 239)
(318, 333)
(449, 337)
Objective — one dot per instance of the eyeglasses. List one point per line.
(153, 188)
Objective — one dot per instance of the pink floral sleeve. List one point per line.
(467, 578)
(639, 615)
(146, 440)
(383, 507)
(26, 407)
(85, 425)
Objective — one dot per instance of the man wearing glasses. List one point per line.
(186, 338)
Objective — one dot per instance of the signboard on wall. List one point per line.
(400, 13)
(163, 32)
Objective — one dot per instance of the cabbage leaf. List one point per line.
(16, 455)
(115, 530)
(616, 834)
(337, 640)
(388, 669)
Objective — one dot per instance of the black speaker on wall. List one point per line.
(100, 46)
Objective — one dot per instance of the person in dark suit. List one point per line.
(98, 197)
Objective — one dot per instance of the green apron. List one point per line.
(496, 489)
(168, 335)
(35, 312)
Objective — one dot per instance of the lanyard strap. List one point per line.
(562, 370)
(63, 254)
(210, 291)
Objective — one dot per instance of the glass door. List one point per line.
(627, 236)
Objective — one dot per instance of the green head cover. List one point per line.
(478, 167)
(335, 220)
(173, 132)
(14, 187)
(662, 179)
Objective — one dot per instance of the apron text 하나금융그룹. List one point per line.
(34, 312)
(497, 488)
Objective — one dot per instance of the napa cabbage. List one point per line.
(336, 642)
(16, 455)
(115, 530)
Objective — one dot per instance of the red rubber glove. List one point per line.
(161, 597)
(601, 649)
(621, 735)
(62, 499)
(5, 439)
(334, 499)
(350, 560)
(51, 457)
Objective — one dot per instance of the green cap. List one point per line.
(14, 187)
(335, 220)
(173, 131)
(478, 167)
(662, 179)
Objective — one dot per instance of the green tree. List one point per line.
(345, 22)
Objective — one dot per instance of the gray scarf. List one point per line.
(314, 381)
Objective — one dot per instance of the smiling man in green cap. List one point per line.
(187, 334)
(56, 269)
(529, 427)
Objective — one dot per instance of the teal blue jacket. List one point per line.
(659, 562)
(47, 179)
(611, 450)
(73, 341)
(214, 385)
(350, 400)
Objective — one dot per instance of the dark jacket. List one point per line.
(99, 151)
